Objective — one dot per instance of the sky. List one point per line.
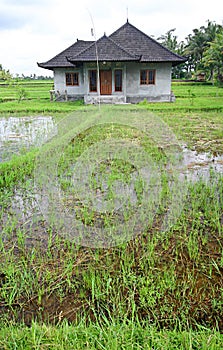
(34, 31)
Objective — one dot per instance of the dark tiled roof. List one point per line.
(141, 44)
(61, 61)
(107, 50)
(126, 44)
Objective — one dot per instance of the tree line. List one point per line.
(5, 75)
(203, 49)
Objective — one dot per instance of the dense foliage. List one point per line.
(204, 50)
(4, 74)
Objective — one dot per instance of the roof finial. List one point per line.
(127, 13)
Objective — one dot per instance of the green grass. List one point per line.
(36, 89)
(36, 99)
(114, 336)
(35, 106)
(200, 130)
(193, 90)
(191, 97)
(160, 290)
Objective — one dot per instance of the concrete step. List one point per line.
(105, 99)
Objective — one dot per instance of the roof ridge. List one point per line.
(89, 47)
(122, 48)
(146, 35)
(68, 48)
(97, 41)
(156, 42)
(127, 43)
(80, 53)
(117, 30)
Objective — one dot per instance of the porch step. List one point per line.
(104, 99)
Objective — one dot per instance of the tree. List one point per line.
(169, 40)
(213, 57)
(4, 74)
(198, 43)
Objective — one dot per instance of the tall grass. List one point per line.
(161, 290)
(113, 335)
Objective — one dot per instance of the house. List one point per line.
(127, 66)
(200, 76)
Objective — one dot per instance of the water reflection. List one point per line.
(195, 165)
(20, 134)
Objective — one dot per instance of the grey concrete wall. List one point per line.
(132, 91)
(160, 91)
(60, 82)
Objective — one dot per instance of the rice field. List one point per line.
(137, 261)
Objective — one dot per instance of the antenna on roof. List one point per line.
(93, 33)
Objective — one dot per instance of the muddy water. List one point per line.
(195, 165)
(18, 135)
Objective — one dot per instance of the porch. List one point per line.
(105, 99)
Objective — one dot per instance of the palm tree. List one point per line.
(213, 57)
(198, 43)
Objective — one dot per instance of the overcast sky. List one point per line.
(36, 30)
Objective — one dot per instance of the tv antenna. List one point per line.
(93, 33)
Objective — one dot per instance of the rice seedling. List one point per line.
(161, 289)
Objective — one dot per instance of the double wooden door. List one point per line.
(105, 82)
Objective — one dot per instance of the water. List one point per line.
(18, 135)
(195, 165)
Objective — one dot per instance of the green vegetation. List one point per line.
(35, 89)
(203, 49)
(30, 96)
(4, 74)
(33, 97)
(112, 336)
(161, 290)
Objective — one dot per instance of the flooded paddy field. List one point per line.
(19, 134)
(167, 276)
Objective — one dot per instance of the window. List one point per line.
(72, 79)
(118, 80)
(147, 77)
(93, 80)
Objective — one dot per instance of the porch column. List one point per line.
(125, 81)
(85, 78)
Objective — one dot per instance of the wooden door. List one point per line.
(106, 82)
